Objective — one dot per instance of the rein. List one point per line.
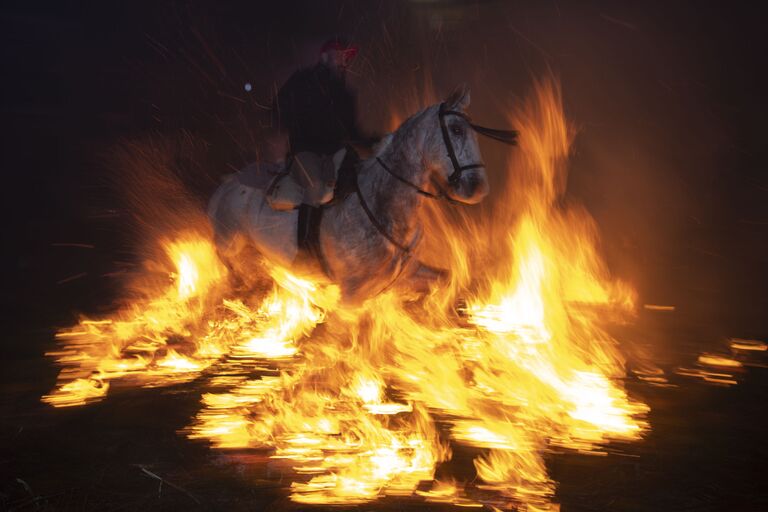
(419, 190)
(378, 225)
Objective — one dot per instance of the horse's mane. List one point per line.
(383, 144)
(386, 141)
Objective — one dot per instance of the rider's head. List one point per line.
(337, 53)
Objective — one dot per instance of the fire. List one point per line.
(727, 368)
(136, 341)
(356, 404)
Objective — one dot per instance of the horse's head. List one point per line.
(451, 152)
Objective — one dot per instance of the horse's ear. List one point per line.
(459, 98)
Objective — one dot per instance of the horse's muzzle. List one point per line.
(472, 187)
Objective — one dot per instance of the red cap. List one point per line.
(349, 49)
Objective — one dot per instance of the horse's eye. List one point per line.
(457, 130)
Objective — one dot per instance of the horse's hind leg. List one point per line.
(244, 263)
(422, 278)
(229, 250)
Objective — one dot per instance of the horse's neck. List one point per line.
(394, 203)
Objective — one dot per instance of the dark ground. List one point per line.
(670, 160)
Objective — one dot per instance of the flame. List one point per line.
(727, 369)
(360, 403)
(135, 342)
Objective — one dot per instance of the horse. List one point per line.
(367, 240)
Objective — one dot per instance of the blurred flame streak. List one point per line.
(718, 360)
(353, 410)
(748, 345)
(722, 369)
(658, 307)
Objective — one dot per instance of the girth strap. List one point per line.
(308, 237)
(410, 184)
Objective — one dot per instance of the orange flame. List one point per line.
(136, 342)
(369, 403)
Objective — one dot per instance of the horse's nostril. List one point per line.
(473, 181)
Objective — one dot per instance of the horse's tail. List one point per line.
(223, 220)
(215, 201)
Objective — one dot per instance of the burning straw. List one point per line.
(371, 403)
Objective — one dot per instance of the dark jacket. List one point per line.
(317, 110)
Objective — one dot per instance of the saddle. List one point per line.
(309, 183)
(308, 178)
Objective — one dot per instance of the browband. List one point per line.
(506, 136)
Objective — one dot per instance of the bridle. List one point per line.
(458, 169)
(508, 137)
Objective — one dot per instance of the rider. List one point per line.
(315, 106)
(317, 111)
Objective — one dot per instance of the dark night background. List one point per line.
(670, 159)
